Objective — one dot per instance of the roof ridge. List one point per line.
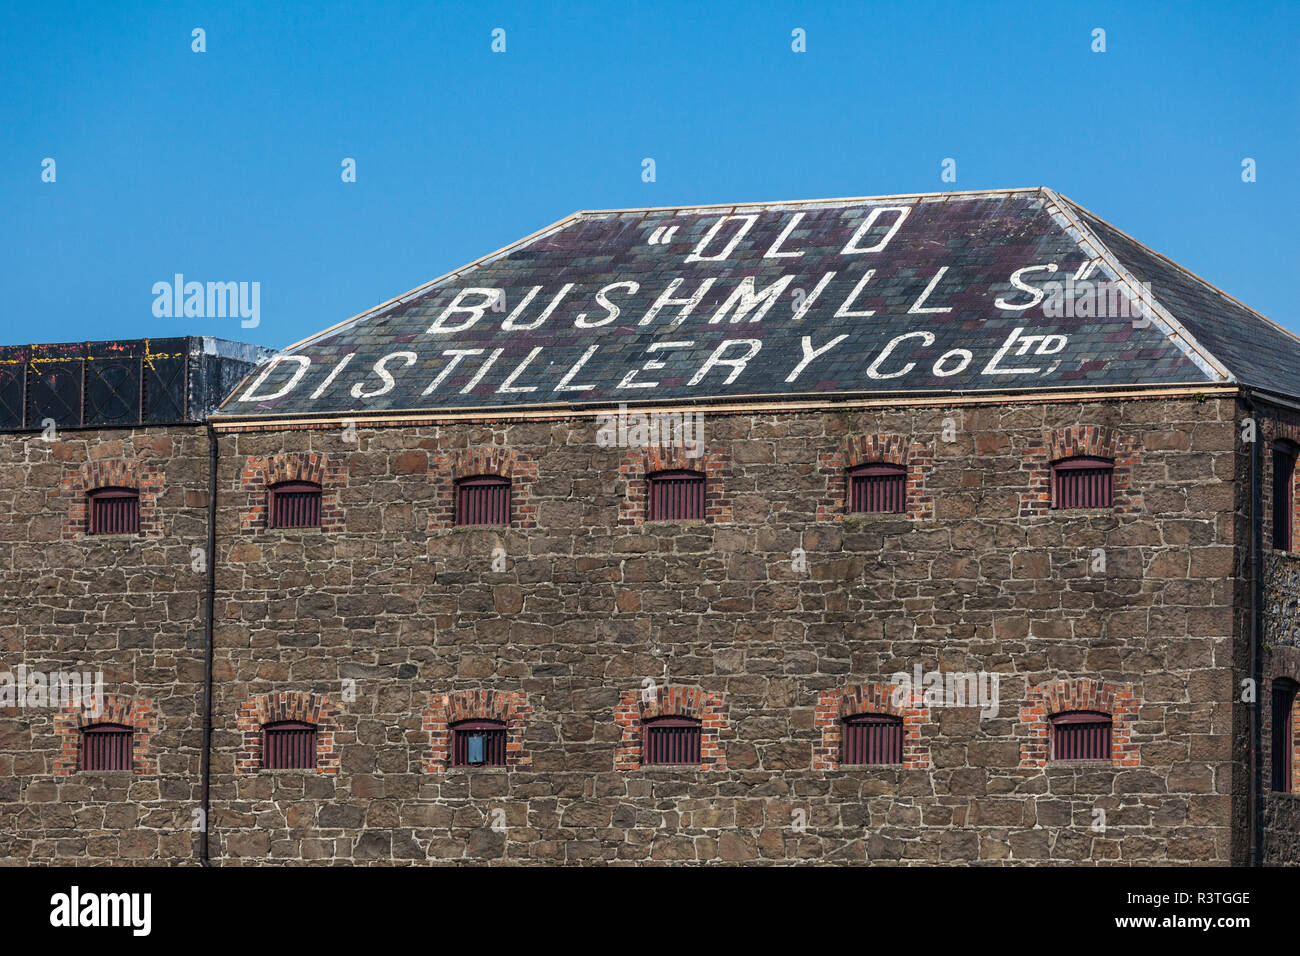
(1181, 268)
(1175, 329)
(946, 194)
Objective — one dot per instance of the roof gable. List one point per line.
(900, 295)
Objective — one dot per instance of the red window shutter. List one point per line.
(483, 500)
(877, 489)
(871, 739)
(289, 745)
(106, 747)
(478, 743)
(295, 504)
(675, 496)
(1081, 735)
(673, 741)
(1284, 692)
(1083, 483)
(1284, 461)
(114, 511)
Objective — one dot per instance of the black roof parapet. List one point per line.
(119, 383)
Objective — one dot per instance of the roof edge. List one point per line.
(808, 401)
(1175, 329)
(1181, 268)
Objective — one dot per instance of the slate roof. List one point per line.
(900, 295)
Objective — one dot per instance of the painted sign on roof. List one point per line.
(996, 291)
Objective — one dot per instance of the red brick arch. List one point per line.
(139, 715)
(448, 467)
(260, 472)
(637, 706)
(309, 708)
(145, 477)
(872, 698)
(714, 462)
(443, 710)
(1043, 701)
(882, 448)
(1094, 441)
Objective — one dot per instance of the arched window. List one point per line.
(478, 743)
(1081, 735)
(106, 747)
(1083, 482)
(289, 745)
(483, 499)
(871, 739)
(675, 496)
(295, 504)
(877, 488)
(1284, 460)
(114, 511)
(673, 741)
(1284, 692)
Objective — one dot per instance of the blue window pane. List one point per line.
(474, 746)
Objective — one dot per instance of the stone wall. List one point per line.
(778, 601)
(129, 607)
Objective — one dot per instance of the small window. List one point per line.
(478, 743)
(295, 504)
(1083, 483)
(1081, 735)
(671, 741)
(106, 747)
(484, 499)
(289, 745)
(877, 489)
(114, 511)
(1284, 692)
(676, 496)
(871, 739)
(1284, 459)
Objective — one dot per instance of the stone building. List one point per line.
(925, 529)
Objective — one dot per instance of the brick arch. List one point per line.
(302, 706)
(1043, 701)
(1272, 431)
(713, 461)
(1282, 664)
(443, 710)
(872, 698)
(635, 707)
(260, 472)
(145, 477)
(1094, 441)
(138, 714)
(885, 448)
(448, 467)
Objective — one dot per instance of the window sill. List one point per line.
(287, 770)
(478, 770)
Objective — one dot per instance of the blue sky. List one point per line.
(225, 165)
